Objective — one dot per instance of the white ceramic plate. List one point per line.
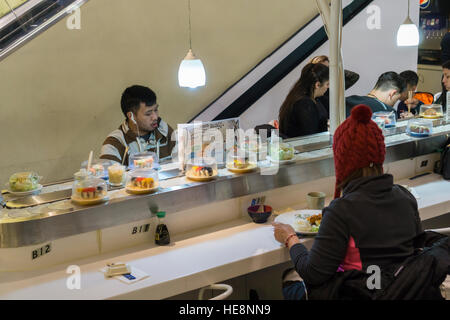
(290, 218)
(26, 193)
(282, 161)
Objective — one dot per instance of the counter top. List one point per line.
(193, 259)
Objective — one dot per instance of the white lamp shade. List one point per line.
(408, 35)
(191, 73)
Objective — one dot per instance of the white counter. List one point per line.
(193, 259)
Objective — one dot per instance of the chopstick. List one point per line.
(124, 155)
(410, 95)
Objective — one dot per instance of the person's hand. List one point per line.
(282, 231)
(406, 115)
(412, 102)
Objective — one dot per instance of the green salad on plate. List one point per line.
(23, 181)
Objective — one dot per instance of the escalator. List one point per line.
(21, 20)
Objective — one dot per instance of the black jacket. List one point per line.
(350, 79)
(380, 216)
(402, 107)
(306, 117)
(374, 104)
(417, 278)
(445, 47)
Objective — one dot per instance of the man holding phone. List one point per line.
(142, 130)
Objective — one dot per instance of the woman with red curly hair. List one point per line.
(371, 221)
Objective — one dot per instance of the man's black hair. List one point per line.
(411, 78)
(446, 65)
(134, 95)
(390, 80)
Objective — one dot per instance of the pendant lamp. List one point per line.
(408, 34)
(191, 73)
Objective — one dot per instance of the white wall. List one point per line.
(367, 52)
(60, 92)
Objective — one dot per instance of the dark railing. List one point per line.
(29, 19)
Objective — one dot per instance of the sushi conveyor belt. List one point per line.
(11, 201)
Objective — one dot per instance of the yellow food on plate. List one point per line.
(239, 164)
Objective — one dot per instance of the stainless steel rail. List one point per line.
(59, 224)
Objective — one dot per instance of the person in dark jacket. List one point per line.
(350, 79)
(445, 48)
(300, 114)
(411, 79)
(372, 224)
(441, 97)
(388, 89)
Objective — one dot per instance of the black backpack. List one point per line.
(417, 278)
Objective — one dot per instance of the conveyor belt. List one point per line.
(35, 200)
(14, 202)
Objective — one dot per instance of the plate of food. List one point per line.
(291, 160)
(89, 191)
(141, 185)
(419, 128)
(201, 173)
(432, 114)
(241, 167)
(284, 153)
(24, 183)
(433, 111)
(304, 222)
(90, 201)
(386, 117)
(90, 195)
(26, 193)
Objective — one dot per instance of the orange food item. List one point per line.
(425, 97)
(315, 217)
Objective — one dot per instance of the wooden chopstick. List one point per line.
(410, 95)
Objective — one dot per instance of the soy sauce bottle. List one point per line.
(162, 236)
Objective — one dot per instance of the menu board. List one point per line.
(206, 139)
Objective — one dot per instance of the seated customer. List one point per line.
(141, 122)
(441, 97)
(374, 222)
(383, 96)
(411, 80)
(350, 79)
(300, 114)
(445, 48)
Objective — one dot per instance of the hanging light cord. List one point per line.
(408, 8)
(189, 9)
